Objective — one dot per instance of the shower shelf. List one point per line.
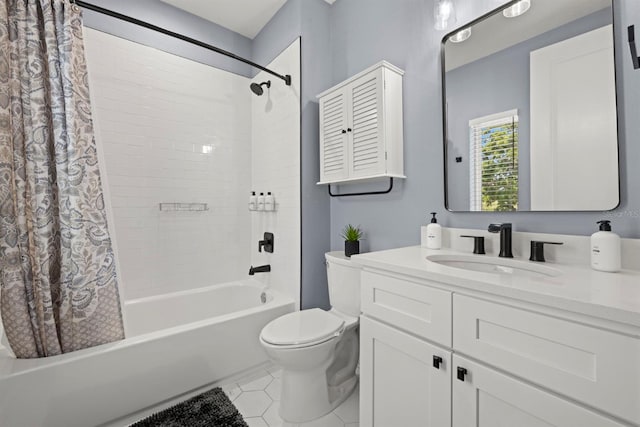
(183, 207)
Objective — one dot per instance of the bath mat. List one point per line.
(209, 409)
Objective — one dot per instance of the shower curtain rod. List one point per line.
(94, 8)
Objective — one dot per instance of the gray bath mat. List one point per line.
(209, 409)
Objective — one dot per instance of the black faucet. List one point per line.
(259, 269)
(505, 238)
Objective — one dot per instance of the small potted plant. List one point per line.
(352, 236)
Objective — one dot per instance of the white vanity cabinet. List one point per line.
(503, 363)
(361, 131)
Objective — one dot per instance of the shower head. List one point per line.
(257, 88)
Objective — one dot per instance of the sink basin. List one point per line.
(502, 266)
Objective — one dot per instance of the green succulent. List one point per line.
(351, 233)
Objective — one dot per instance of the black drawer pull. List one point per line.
(462, 372)
(437, 361)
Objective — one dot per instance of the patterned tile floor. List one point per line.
(257, 397)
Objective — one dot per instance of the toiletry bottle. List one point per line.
(261, 202)
(434, 233)
(605, 249)
(269, 202)
(253, 201)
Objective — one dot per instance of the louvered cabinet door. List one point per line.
(365, 106)
(333, 137)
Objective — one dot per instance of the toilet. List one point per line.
(318, 350)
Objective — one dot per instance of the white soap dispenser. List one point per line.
(605, 249)
(269, 202)
(434, 233)
(253, 201)
(261, 202)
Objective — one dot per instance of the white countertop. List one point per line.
(610, 296)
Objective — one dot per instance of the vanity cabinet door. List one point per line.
(588, 364)
(483, 397)
(404, 381)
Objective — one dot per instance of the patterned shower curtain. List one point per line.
(58, 287)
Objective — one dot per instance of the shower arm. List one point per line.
(113, 14)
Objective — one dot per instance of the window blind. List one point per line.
(494, 162)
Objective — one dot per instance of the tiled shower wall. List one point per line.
(171, 130)
(276, 168)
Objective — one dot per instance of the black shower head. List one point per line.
(257, 88)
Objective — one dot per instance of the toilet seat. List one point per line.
(303, 328)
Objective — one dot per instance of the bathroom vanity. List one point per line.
(525, 345)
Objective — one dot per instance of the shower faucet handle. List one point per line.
(267, 243)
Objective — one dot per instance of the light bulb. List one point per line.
(444, 14)
(460, 36)
(517, 9)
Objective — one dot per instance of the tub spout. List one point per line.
(259, 269)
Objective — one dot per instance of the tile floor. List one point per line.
(257, 397)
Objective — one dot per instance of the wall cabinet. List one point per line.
(361, 132)
(500, 365)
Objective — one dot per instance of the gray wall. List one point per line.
(366, 31)
(499, 82)
(171, 18)
(309, 19)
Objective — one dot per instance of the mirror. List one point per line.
(530, 120)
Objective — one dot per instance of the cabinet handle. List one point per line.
(437, 360)
(462, 372)
(348, 129)
(344, 131)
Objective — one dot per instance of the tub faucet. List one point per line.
(259, 269)
(505, 238)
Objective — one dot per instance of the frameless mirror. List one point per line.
(530, 120)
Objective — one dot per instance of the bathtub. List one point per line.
(175, 343)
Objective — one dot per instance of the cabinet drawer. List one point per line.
(416, 308)
(597, 367)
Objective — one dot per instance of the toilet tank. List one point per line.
(344, 283)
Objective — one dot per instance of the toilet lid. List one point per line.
(302, 327)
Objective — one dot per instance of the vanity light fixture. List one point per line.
(460, 36)
(517, 9)
(444, 13)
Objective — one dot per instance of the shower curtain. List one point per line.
(58, 286)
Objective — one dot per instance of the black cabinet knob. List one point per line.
(462, 372)
(344, 131)
(437, 361)
(348, 129)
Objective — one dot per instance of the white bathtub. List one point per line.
(175, 343)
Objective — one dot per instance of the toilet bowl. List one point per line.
(316, 349)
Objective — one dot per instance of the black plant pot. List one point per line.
(351, 247)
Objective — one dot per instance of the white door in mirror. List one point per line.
(574, 154)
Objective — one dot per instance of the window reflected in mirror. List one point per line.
(493, 142)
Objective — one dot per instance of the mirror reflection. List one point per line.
(530, 109)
